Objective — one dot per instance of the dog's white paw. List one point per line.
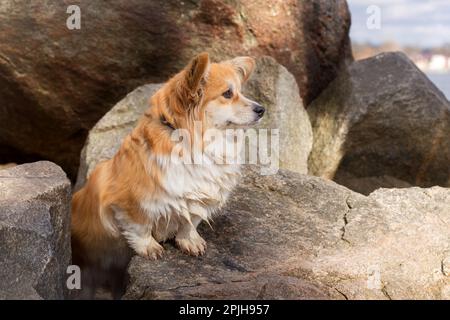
(149, 249)
(193, 245)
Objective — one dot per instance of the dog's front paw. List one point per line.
(194, 245)
(150, 249)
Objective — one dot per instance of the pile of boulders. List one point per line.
(380, 130)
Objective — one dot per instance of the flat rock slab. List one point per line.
(34, 231)
(290, 236)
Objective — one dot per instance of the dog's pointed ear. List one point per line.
(244, 66)
(194, 77)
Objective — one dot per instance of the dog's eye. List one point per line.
(228, 94)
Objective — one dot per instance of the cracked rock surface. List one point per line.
(291, 236)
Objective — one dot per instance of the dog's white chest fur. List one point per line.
(192, 192)
(209, 183)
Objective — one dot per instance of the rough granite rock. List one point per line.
(34, 231)
(271, 85)
(302, 237)
(382, 117)
(276, 89)
(66, 80)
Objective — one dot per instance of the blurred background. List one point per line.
(419, 28)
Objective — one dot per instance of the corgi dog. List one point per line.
(142, 197)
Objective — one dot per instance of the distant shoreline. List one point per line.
(441, 80)
(436, 73)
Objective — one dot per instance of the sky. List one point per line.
(423, 23)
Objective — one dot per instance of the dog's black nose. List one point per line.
(259, 110)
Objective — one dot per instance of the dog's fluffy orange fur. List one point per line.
(140, 197)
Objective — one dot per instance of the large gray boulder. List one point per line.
(271, 85)
(276, 89)
(34, 231)
(382, 117)
(301, 237)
